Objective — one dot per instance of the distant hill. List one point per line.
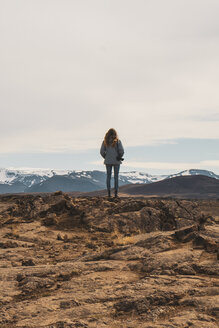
(196, 186)
(64, 183)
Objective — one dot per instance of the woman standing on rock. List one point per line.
(112, 151)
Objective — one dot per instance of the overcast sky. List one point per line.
(72, 69)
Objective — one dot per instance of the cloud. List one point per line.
(175, 166)
(72, 69)
(213, 163)
(214, 117)
(179, 166)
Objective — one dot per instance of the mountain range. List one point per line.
(49, 180)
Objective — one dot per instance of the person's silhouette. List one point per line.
(112, 151)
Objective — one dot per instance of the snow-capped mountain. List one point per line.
(49, 180)
(28, 176)
(139, 177)
(209, 174)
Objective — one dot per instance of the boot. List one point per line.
(109, 194)
(116, 193)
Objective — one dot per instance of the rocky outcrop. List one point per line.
(98, 262)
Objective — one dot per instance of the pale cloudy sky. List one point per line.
(71, 69)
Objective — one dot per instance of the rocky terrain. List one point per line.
(98, 262)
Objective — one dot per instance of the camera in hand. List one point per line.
(119, 158)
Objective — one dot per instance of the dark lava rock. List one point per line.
(138, 306)
(49, 221)
(186, 234)
(28, 262)
(8, 244)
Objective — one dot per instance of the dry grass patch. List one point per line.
(121, 240)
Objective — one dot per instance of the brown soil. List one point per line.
(97, 262)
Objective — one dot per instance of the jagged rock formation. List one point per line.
(98, 262)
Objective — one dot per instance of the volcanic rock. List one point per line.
(99, 262)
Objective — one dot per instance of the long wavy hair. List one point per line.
(111, 138)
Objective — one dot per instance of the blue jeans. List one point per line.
(109, 174)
